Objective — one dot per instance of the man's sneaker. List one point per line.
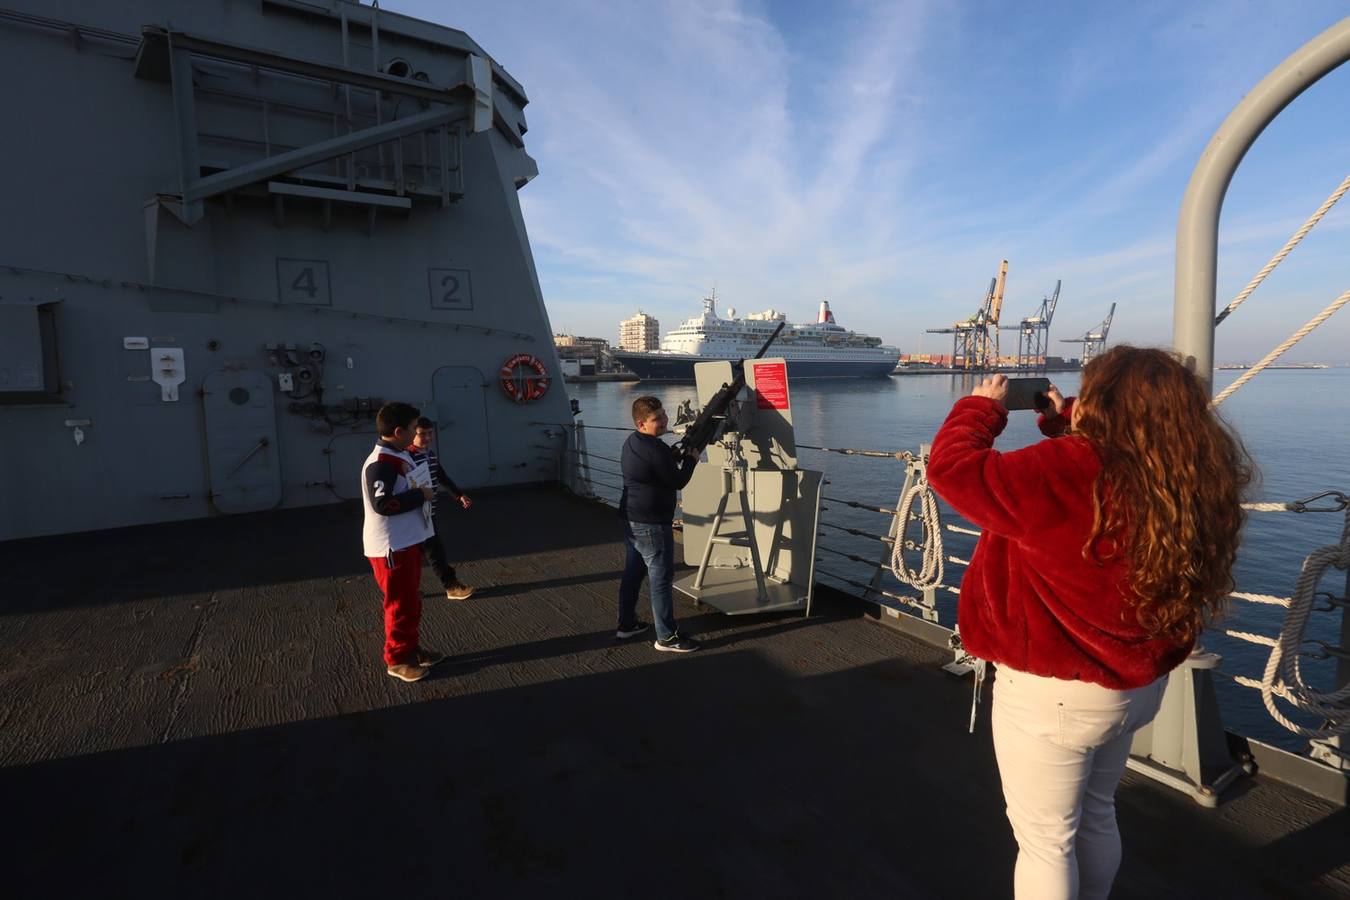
(633, 630)
(428, 658)
(458, 591)
(407, 672)
(677, 643)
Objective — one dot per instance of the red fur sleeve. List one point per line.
(1055, 425)
(1012, 494)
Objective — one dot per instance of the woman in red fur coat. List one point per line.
(1104, 550)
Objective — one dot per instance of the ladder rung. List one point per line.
(729, 540)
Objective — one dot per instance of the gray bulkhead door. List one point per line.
(461, 423)
(243, 459)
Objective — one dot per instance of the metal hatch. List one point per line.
(461, 424)
(243, 462)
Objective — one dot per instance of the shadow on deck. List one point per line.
(218, 723)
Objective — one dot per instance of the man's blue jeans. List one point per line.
(651, 552)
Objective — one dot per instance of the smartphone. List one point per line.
(1027, 393)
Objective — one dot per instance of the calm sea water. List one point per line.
(1295, 424)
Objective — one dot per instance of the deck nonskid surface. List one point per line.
(202, 707)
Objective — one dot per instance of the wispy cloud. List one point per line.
(885, 155)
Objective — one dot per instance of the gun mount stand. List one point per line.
(733, 481)
(751, 479)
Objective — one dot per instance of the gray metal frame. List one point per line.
(1198, 224)
(1193, 318)
(750, 495)
(168, 54)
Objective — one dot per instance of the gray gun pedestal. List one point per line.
(750, 515)
(1184, 746)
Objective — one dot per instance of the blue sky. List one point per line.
(887, 155)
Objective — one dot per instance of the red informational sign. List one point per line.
(771, 385)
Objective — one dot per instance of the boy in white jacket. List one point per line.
(396, 524)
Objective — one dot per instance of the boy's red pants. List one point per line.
(401, 585)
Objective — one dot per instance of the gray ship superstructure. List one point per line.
(238, 226)
(822, 349)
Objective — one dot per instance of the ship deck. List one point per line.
(200, 708)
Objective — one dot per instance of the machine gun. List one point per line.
(707, 427)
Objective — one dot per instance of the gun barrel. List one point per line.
(771, 339)
(701, 432)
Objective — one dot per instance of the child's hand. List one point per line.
(427, 493)
(464, 501)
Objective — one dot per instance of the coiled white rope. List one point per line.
(1283, 676)
(929, 575)
(1279, 351)
(1284, 251)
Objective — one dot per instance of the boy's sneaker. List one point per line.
(457, 590)
(677, 643)
(633, 630)
(407, 672)
(428, 658)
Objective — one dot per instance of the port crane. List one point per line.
(975, 340)
(1033, 334)
(1094, 341)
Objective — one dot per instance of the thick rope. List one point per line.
(1283, 668)
(1267, 507)
(1260, 598)
(1284, 251)
(929, 575)
(1253, 683)
(1279, 351)
(1250, 637)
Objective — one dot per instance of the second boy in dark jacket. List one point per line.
(421, 451)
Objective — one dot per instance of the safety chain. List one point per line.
(868, 589)
(858, 532)
(583, 425)
(588, 453)
(856, 505)
(902, 455)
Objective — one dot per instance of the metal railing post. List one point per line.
(1198, 224)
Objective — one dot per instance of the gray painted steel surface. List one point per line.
(241, 440)
(316, 201)
(1198, 223)
(231, 733)
(751, 516)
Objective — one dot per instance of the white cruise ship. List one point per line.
(821, 349)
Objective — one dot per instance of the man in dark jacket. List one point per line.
(651, 476)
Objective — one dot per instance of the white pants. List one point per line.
(1061, 748)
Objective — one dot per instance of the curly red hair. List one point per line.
(1168, 495)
